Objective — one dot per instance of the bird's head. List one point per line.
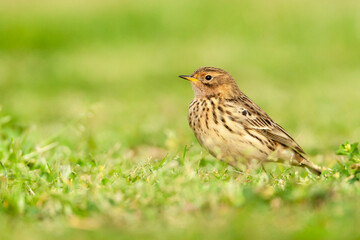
(210, 81)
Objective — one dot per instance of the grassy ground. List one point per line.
(94, 140)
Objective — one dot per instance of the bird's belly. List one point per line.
(231, 146)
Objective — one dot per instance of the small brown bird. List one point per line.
(233, 128)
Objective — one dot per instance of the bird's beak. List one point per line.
(189, 78)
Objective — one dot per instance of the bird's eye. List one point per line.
(208, 77)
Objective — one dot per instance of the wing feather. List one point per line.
(254, 118)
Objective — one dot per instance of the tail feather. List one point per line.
(312, 167)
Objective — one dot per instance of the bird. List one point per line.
(234, 129)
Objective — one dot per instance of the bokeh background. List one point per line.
(107, 71)
(299, 60)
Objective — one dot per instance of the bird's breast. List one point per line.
(217, 130)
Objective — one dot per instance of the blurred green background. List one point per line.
(106, 71)
(299, 60)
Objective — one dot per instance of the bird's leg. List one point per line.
(235, 167)
(264, 169)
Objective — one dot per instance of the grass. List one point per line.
(94, 141)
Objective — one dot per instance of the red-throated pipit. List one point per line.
(233, 128)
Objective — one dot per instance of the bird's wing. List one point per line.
(278, 134)
(254, 118)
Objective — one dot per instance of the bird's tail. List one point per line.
(312, 167)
